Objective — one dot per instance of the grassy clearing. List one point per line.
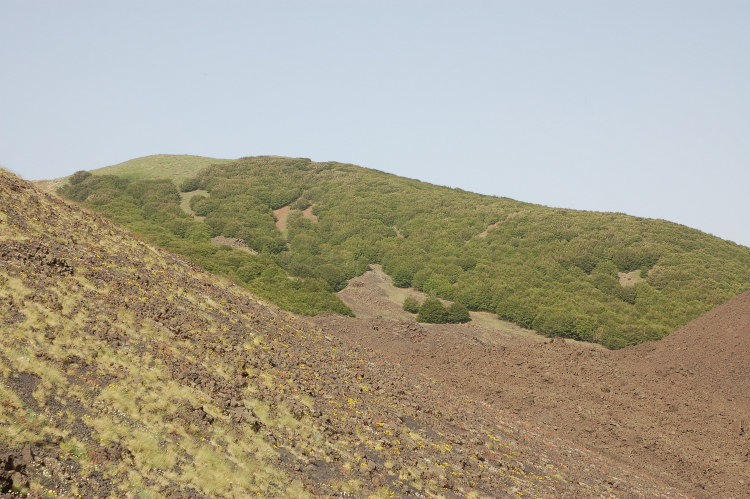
(175, 167)
(185, 198)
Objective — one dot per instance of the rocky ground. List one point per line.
(127, 372)
(678, 409)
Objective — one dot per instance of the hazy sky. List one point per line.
(641, 107)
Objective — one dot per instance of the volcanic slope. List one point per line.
(678, 408)
(126, 371)
(713, 351)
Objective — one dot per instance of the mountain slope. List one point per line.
(678, 408)
(711, 351)
(603, 277)
(128, 372)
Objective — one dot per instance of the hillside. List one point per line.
(174, 167)
(127, 371)
(678, 408)
(711, 351)
(600, 277)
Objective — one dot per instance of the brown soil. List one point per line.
(712, 351)
(676, 409)
(281, 215)
(308, 213)
(487, 230)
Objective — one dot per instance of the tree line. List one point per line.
(553, 270)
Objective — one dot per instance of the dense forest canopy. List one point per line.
(557, 271)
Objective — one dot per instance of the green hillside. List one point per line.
(603, 277)
(175, 167)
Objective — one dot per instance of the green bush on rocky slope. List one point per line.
(554, 270)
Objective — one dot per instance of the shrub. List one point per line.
(634, 258)
(402, 277)
(79, 177)
(432, 311)
(457, 313)
(420, 278)
(190, 185)
(333, 275)
(606, 284)
(517, 310)
(301, 204)
(585, 328)
(555, 322)
(249, 271)
(627, 294)
(200, 208)
(466, 262)
(411, 305)
(605, 267)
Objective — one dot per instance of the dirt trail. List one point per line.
(677, 409)
(281, 215)
(308, 213)
(492, 226)
(185, 198)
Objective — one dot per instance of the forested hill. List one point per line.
(604, 277)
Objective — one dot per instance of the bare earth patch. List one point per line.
(185, 198)
(233, 242)
(308, 213)
(373, 295)
(283, 213)
(629, 278)
(487, 230)
(51, 186)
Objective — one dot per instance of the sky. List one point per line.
(639, 107)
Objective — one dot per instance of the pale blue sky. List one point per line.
(641, 107)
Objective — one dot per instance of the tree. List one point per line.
(190, 185)
(432, 311)
(79, 177)
(411, 305)
(402, 277)
(457, 313)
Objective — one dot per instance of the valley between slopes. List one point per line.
(676, 409)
